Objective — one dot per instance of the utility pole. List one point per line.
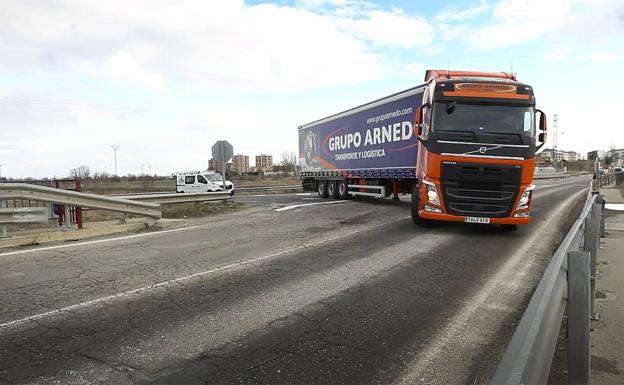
(555, 142)
(1, 165)
(142, 169)
(115, 147)
(150, 170)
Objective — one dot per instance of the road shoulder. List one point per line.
(607, 355)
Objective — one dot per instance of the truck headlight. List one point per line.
(525, 198)
(432, 193)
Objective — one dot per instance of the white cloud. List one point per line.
(222, 44)
(556, 53)
(605, 56)
(415, 69)
(390, 29)
(520, 21)
(452, 13)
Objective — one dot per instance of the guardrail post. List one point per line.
(601, 202)
(578, 317)
(591, 244)
(3, 228)
(67, 219)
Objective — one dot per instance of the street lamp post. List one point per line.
(115, 147)
(556, 150)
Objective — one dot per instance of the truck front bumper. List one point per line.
(458, 218)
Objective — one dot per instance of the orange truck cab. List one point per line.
(477, 137)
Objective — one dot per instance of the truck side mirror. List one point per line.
(418, 122)
(542, 127)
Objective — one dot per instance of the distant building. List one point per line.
(214, 165)
(264, 162)
(617, 157)
(547, 154)
(560, 155)
(596, 154)
(570, 156)
(240, 164)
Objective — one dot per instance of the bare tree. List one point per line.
(80, 172)
(288, 161)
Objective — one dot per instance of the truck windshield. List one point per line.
(484, 118)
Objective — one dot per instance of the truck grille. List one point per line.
(480, 190)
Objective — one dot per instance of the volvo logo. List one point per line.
(482, 150)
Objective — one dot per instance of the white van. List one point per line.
(201, 182)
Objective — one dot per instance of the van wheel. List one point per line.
(416, 218)
(332, 189)
(343, 190)
(321, 188)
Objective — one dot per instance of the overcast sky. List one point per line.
(165, 79)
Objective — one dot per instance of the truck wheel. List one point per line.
(343, 190)
(332, 189)
(417, 219)
(321, 188)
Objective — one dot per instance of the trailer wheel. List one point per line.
(343, 190)
(332, 189)
(417, 219)
(321, 188)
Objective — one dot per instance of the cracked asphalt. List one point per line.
(349, 293)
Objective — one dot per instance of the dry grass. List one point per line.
(178, 210)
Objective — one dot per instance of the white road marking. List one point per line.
(615, 206)
(286, 208)
(144, 289)
(99, 241)
(301, 194)
(259, 195)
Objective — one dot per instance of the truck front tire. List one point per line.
(417, 219)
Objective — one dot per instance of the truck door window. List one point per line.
(201, 179)
(528, 122)
(189, 179)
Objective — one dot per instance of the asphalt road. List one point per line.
(291, 290)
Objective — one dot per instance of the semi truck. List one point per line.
(462, 144)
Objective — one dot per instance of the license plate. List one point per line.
(476, 220)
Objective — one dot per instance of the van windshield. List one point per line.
(214, 177)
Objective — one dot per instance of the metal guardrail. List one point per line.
(169, 198)
(269, 188)
(24, 215)
(78, 199)
(549, 175)
(610, 178)
(569, 280)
